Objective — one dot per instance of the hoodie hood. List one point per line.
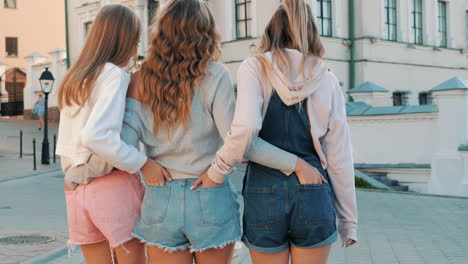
(302, 79)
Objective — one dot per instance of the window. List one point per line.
(87, 28)
(324, 17)
(400, 98)
(243, 18)
(442, 20)
(153, 5)
(417, 22)
(425, 98)
(9, 3)
(466, 33)
(390, 20)
(11, 45)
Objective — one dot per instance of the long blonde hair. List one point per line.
(292, 26)
(113, 38)
(184, 41)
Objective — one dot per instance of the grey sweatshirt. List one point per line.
(188, 153)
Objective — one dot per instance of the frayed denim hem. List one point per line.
(222, 245)
(71, 245)
(167, 249)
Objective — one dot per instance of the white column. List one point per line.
(141, 9)
(58, 70)
(403, 25)
(3, 68)
(29, 90)
(464, 185)
(451, 24)
(447, 167)
(337, 17)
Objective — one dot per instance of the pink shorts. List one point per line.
(105, 209)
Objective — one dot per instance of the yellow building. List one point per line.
(27, 27)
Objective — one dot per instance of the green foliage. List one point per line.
(361, 183)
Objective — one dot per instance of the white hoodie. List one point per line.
(327, 114)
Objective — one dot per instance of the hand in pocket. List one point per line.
(308, 174)
(154, 173)
(205, 181)
(67, 188)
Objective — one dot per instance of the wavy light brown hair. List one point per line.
(184, 41)
(113, 38)
(292, 26)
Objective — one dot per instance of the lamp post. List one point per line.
(47, 81)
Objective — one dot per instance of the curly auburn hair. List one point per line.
(184, 41)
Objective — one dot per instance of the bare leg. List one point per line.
(275, 258)
(41, 121)
(97, 253)
(310, 255)
(215, 255)
(132, 252)
(157, 255)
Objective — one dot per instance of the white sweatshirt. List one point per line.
(96, 128)
(327, 114)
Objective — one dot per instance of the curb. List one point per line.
(29, 175)
(48, 257)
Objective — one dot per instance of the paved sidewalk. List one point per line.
(11, 166)
(32, 206)
(408, 229)
(394, 228)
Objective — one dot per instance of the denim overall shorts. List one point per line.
(279, 212)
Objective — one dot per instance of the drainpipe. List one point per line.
(352, 47)
(66, 34)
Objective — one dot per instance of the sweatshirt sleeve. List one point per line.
(130, 128)
(338, 151)
(101, 133)
(241, 134)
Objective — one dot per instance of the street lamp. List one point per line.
(47, 81)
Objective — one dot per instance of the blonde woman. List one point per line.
(288, 97)
(181, 104)
(103, 203)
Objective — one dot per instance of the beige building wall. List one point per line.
(39, 26)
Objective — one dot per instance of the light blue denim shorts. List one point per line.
(173, 217)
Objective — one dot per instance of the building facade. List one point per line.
(402, 63)
(406, 46)
(27, 28)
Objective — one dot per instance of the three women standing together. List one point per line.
(173, 200)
